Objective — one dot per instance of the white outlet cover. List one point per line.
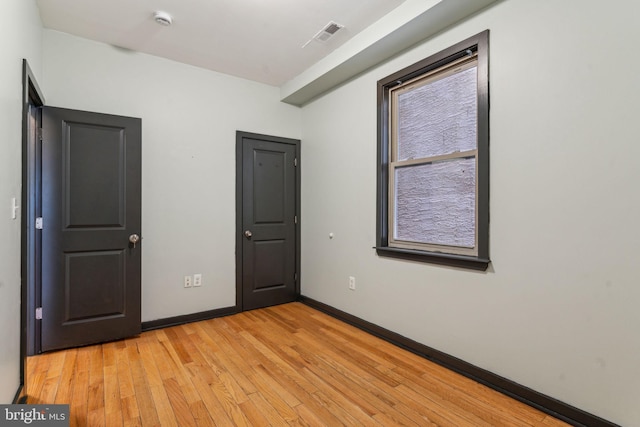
(197, 280)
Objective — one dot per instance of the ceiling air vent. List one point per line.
(328, 31)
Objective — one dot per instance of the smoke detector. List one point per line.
(162, 18)
(328, 31)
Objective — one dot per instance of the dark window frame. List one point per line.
(480, 45)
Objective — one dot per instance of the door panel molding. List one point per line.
(270, 224)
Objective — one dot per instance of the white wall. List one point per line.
(20, 37)
(558, 309)
(189, 119)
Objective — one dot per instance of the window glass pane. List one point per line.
(435, 203)
(438, 117)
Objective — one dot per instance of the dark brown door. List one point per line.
(268, 233)
(91, 209)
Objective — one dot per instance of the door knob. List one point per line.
(134, 238)
(248, 234)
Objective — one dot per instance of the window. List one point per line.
(433, 147)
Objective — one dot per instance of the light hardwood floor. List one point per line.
(279, 366)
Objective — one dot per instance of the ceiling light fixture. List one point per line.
(163, 18)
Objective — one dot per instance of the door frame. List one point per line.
(29, 243)
(240, 137)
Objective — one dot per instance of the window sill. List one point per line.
(462, 261)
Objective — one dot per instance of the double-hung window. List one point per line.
(433, 142)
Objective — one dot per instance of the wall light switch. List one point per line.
(14, 208)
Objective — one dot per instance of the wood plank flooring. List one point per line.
(288, 365)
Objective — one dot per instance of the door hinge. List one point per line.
(295, 162)
(39, 313)
(295, 277)
(39, 134)
(39, 223)
(295, 219)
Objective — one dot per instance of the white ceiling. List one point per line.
(260, 40)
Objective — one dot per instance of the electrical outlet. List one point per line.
(352, 283)
(187, 282)
(197, 280)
